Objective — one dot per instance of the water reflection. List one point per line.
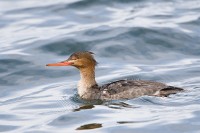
(84, 107)
(119, 105)
(129, 122)
(134, 39)
(89, 126)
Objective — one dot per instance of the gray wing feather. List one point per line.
(126, 89)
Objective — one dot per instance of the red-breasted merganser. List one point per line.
(88, 88)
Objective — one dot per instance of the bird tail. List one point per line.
(170, 90)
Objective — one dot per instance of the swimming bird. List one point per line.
(88, 88)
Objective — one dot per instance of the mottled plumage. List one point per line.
(122, 89)
(128, 89)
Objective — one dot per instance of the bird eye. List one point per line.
(74, 58)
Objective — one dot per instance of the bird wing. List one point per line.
(126, 89)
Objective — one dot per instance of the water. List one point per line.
(152, 40)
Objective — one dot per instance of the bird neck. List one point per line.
(87, 80)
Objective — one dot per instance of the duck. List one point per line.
(88, 89)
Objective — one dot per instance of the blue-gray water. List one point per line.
(137, 39)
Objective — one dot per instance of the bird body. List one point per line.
(88, 88)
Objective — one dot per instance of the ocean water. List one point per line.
(155, 40)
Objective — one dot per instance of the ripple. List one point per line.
(5, 128)
(150, 40)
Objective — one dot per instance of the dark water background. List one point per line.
(138, 39)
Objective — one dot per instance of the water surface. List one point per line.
(151, 40)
